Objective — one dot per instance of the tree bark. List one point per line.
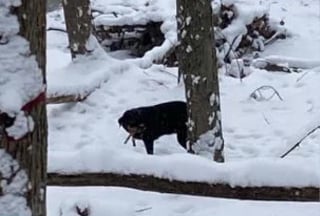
(151, 183)
(78, 22)
(198, 65)
(31, 150)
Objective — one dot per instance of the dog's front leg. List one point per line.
(148, 143)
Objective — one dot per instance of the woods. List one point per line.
(59, 111)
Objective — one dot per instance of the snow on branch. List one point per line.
(293, 62)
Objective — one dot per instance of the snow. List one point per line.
(85, 137)
(294, 61)
(302, 20)
(21, 126)
(17, 70)
(114, 201)
(244, 16)
(13, 182)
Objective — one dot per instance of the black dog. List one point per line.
(149, 123)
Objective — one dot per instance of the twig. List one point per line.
(167, 72)
(159, 83)
(275, 92)
(303, 75)
(274, 37)
(234, 53)
(265, 119)
(56, 29)
(82, 212)
(231, 45)
(298, 143)
(144, 209)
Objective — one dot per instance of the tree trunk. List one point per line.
(30, 151)
(78, 22)
(198, 65)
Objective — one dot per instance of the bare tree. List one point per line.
(23, 141)
(198, 65)
(78, 21)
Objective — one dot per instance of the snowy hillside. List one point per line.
(85, 136)
(88, 132)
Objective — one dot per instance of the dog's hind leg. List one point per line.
(182, 138)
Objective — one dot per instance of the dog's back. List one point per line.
(166, 118)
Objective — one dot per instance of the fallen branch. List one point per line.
(292, 62)
(66, 98)
(257, 95)
(144, 209)
(298, 143)
(268, 66)
(151, 183)
(56, 29)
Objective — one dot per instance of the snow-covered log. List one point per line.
(163, 185)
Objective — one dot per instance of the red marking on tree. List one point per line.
(33, 103)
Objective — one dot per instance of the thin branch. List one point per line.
(56, 29)
(167, 72)
(258, 90)
(265, 119)
(144, 209)
(303, 75)
(298, 143)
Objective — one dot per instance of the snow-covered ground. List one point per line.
(85, 136)
(113, 201)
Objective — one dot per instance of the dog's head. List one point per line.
(132, 122)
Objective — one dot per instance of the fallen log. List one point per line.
(151, 183)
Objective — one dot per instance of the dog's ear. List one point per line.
(119, 121)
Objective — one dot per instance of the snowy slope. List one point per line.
(86, 137)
